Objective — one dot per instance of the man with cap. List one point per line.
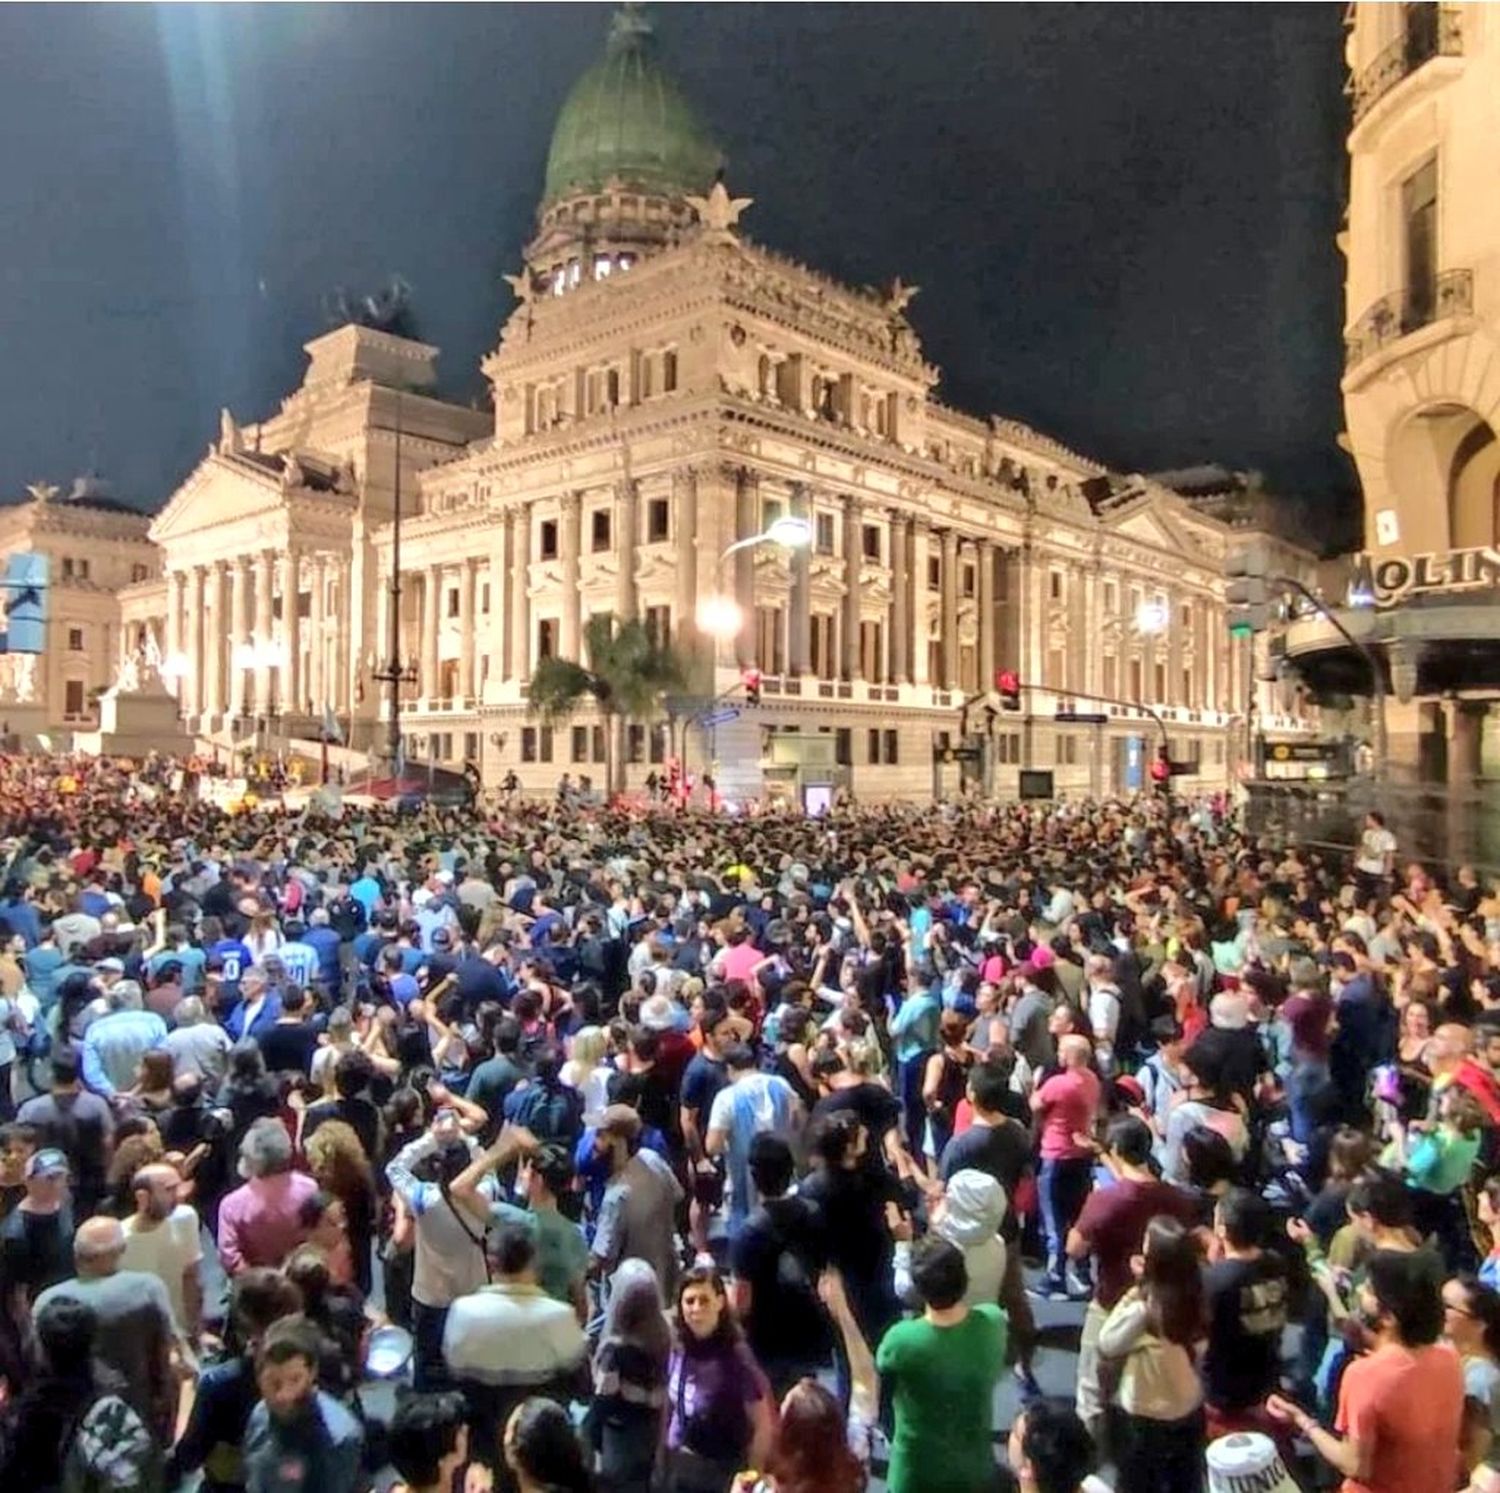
(135, 1331)
(640, 1201)
(36, 1237)
(112, 1046)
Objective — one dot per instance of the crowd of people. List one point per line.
(693, 1151)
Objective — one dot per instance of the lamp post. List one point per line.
(250, 658)
(395, 672)
(719, 615)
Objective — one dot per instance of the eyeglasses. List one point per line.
(1453, 1306)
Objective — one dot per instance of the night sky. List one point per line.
(1122, 216)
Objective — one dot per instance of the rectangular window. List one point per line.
(657, 520)
(546, 638)
(75, 640)
(659, 625)
(843, 747)
(67, 567)
(969, 580)
(580, 735)
(1055, 584)
(1057, 669)
(821, 630)
(823, 526)
(484, 599)
(1419, 208)
(657, 742)
(1137, 681)
(892, 748)
(772, 510)
(471, 746)
(668, 371)
(597, 741)
(1067, 750)
(528, 743)
(635, 743)
(599, 529)
(138, 573)
(1008, 748)
(934, 572)
(1111, 598)
(1159, 683)
(870, 539)
(544, 743)
(768, 640)
(455, 602)
(1187, 688)
(871, 651)
(73, 697)
(872, 748)
(1111, 675)
(547, 545)
(968, 669)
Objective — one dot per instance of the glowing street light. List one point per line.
(1152, 618)
(720, 616)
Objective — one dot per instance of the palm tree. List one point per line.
(628, 673)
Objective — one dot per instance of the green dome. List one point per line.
(626, 121)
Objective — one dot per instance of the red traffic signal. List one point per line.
(1160, 770)
(750, 678)
(1008, 685)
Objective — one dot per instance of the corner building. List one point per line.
(1421, 386)
(663, 389)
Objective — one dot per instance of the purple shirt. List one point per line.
(259, 1223)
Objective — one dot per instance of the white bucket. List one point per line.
(1247, 1462)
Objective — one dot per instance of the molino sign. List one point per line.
(1396, 577)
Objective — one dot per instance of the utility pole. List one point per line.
(394, 672)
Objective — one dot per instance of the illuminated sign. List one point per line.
(1395, 577)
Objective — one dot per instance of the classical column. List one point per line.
(799, 599)
(627, 504)
(262, 628)
(432, 581)
(467, 664)
(196, 641)
(899, 649)
(520, 601)
(1091, 631)
(343, 660)
(921, 539)
(317, 657)
(685, 501)
(501, 539)
(219, 639)
(950, 609)
(239, 586)
(853, 556)
(291, 631)
(172, 645)
(572, 600)
(987, 628)
(746, 526)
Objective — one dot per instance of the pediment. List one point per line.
(218, 492)
(1148, 525)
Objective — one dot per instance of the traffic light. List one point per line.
(1248, 593)
(750, 678)
(1161, 770)
(1008, 687)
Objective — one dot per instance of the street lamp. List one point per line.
(1152, 618)
(719, 615)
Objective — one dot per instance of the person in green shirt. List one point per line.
(942, 1368)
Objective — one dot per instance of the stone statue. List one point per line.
(18, 678)
(43, 492)
(719, 212)
(229, 434)
(128, 674)
(898, 296)
(292, 474)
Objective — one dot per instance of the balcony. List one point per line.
(1429, 31)
(1402, 312)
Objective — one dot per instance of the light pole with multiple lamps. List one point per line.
(395, 672)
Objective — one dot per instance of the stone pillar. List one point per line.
(685, 501)
(746, 526)
(291, 632)
(950, 609)
(220, 639)
(799, 597)
(921, 540)
(901, 591)
(196, 642)
(263, 626)
(1465, 741)
(467, 633)
(239, 586)
(501, 539)
(853, 558)
(627, 506)
(986, 588)
(520, 601)
(172, 644)
(345, 661)
(432, 580)
(317, 616)
(570, 544)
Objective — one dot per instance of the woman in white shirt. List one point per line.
(1155, 1329)
(587, 1071)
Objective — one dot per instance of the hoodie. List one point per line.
(973, 1209)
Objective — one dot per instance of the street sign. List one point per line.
(1081, 718)
(719, 717)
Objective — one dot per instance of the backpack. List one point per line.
(346, 916)
(554, 1114)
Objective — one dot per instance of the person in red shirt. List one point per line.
(1401, 1405)
(1112, 1229)
(1066, 1106)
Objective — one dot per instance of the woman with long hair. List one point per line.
(945, 1081)
(1471, 1323)
(630, 1380)
(543, 1451)
(338, 1164)
(720, 1413)
(338, 1312)
(1155, 1329)
(248, 1092)
(587, 1071)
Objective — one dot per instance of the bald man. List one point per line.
(1066, 1106)
(135, 1321)
(162, 1237)
(1453, 1062)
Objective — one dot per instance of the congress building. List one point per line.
(673, 404)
